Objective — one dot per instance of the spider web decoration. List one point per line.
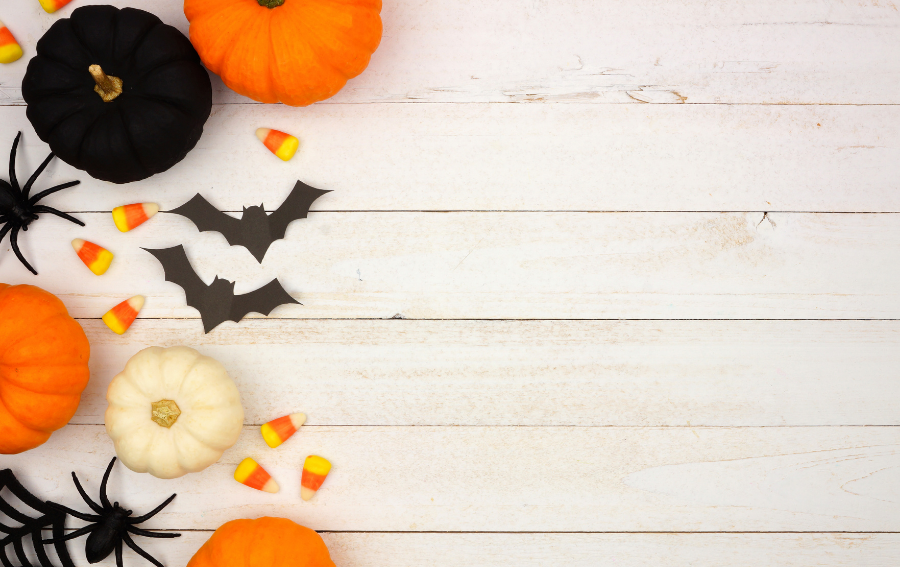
(15, 537)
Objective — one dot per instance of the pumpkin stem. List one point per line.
(270, 3)
(107, 87)
(164, 412)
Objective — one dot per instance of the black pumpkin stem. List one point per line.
(107, 87)
(270, 3)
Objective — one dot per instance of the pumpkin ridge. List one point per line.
(44, 53)
(5, 408)
(131, 145)
(24, 336)
(323, 52)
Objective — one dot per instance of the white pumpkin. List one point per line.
(172, 411)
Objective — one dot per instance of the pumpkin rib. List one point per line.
(343, 36)
(128, 136)
(22, 438)
(10, 344)
(44, 53)
(37, 415)
(322, 88)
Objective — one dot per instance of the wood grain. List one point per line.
(521, 157)
(520, 479)
(576, 550)
(502, 265)
(590, 51)
(596, 373)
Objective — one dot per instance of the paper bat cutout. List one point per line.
(217, 302)
(255, 230)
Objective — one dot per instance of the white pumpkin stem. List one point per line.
(164, 412)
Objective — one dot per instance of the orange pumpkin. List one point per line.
(266, 542)
(43, 366)
(293, 51)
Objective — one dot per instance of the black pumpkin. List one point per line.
(117, 93)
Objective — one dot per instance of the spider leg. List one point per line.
(14, 240)
(130, 543)
(52, 190)
(52, 211)
(12, 164)
(145, 533)
(152, 513)
(4, 230)
(76, 513)
(119, 554)
(35, 175)
(94, 506)
(77, 533)
(103, 498)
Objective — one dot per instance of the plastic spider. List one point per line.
(17, 211)
(111, 526)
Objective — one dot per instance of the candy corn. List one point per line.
(120, 317)
(281, 144)
(128, 217)
(97, 258)
(279, 430)
(315, 469)
(53, 5)
(9, 48)
(249, 473)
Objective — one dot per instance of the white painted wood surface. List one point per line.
(744, 389)
(549, 157)
(523, 479)
(578, 549)
(504, 265)
(584, 373)
(770, 52)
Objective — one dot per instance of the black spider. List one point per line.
(111, 526)
(17, 211)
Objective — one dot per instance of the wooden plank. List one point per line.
(503, 265)
(519, 479)
(576, 550)
(590, 51)
(597, 373)
(522, 157)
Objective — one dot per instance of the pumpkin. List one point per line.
(291, 51)
(43, 366)
(117, 93)
(266, 542)
(172, 411)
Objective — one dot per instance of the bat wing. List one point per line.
(262, 300)
(179, 271)
(209, 218)
(295, 207)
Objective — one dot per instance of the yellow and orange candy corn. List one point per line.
(279, 430)
(282, 145)
(10, 50)
(131, 216)
(51, 6)
(315, 469)
(95, 257)
(120, 317)
(249, 473)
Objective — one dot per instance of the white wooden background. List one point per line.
(599, 283)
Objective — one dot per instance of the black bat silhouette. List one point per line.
(255, 230)
(217, 302)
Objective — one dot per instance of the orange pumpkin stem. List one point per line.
(107, 87)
